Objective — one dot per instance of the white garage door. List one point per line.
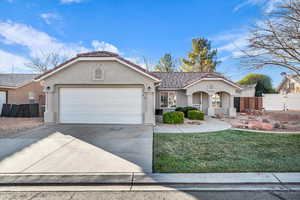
(2, 100)
(101, 105)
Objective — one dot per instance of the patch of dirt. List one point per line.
(10, 125)
(194, 123)
(281, 121)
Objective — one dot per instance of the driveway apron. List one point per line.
(78, 148)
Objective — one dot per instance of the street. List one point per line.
(151, 195)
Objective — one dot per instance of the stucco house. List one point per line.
(102, 87)
(20, 89)
(289, 85)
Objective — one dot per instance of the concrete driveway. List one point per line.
(78, 148)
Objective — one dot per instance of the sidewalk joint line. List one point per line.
(47, 155)
(132, 180)
(277, 195)
(34, 195)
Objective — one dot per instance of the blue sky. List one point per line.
(132, 28)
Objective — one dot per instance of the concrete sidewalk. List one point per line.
(153, 179)
(208, 125)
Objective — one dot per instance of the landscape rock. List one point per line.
(277, 125)
(260, 126)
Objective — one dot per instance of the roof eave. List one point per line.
(91, 58)
(203, 79)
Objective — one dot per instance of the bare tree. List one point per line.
(45, 60)
(276, 40)
(146, 62)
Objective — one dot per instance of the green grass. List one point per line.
(226, 151)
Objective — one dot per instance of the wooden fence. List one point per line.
(243, 104)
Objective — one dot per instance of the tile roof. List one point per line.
(98, 54)
(15, 80)
(178, 80)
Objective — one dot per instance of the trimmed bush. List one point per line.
(173, 117)
(195, 115)
(185, 109)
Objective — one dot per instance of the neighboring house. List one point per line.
(247, 91)
(20, 89)
(102, 87)
(289, 85)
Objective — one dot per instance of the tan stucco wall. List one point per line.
(246, 92)
(181, 98)
(21, 95)
(80, 74)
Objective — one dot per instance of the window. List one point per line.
(216, 100)
(168, 99)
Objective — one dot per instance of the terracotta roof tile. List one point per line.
(178, 80)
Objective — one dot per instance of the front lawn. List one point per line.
(226, 151)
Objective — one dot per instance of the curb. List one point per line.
(259, 131)
(66, 179)
(135, 179)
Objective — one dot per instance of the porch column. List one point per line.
(232, 110)
(211, 109)
(190, 100)
(49, 112)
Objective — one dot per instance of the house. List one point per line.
(247, 91)
(20, 89)
(210, 92)
(289, 85)
(102, 87)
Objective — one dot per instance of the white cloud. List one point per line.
(49, 17)
(266, 5)
(232, 43)
(104, 46)
(36, 41)
(12, 63)
(71, 1)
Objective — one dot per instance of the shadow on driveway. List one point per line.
(78, 148)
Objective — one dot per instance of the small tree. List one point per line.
(201, 58)
(45, 60)
(263, 83)
(275, 41)
(166, 64)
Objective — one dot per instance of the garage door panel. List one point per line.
(101, 105)
(105, 119)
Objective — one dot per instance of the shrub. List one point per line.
(185, 109)
(195, 115)
(179, 109)
(173, 117)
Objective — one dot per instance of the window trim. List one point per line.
(167, 92)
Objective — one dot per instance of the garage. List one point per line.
(100, 105)
(99, 88)
(2, 99)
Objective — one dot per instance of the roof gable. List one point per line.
(96, 56)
